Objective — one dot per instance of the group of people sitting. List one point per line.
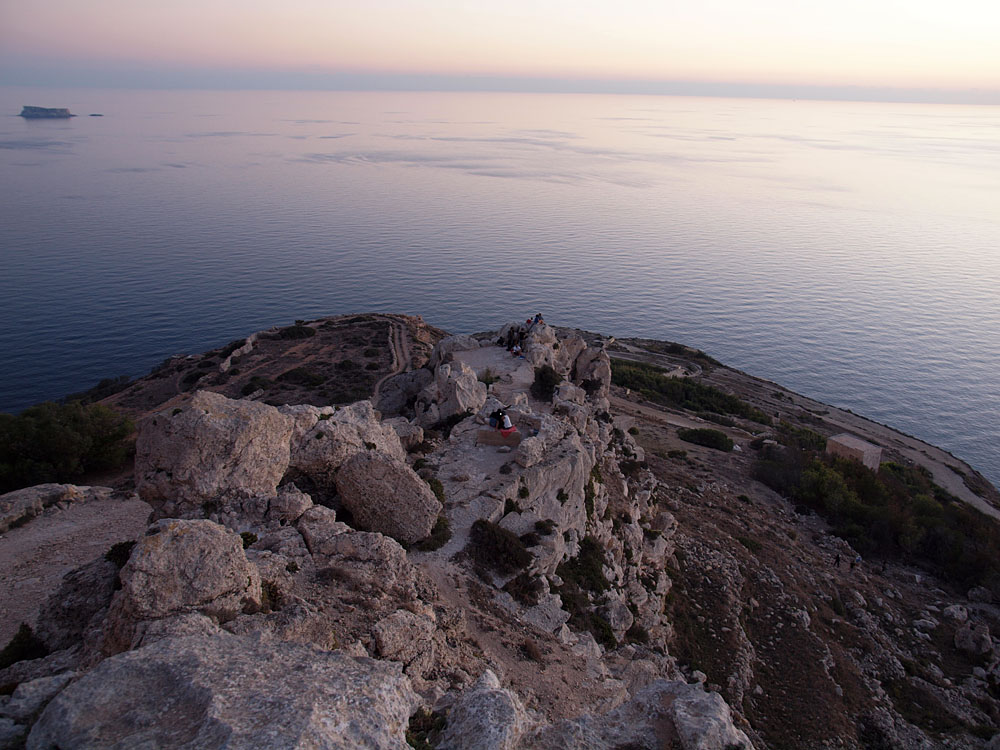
(501, 421)
(516, 336)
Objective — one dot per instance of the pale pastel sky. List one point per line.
(925, 44)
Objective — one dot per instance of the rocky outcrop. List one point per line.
(446, 347)
(232, 691)
(325, 437)
(181, 567)
(20, 506)
(455, 391)
(82, 597)
(400, 391)
(485, 717)
(406, 637)
(385, 495)
(211, 448)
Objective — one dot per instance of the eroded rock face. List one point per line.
(974, 640)
(230, 691)
(83, 593)
(320, 447)
(210, 448)
(385, 495)
(406, 637)
(485, 717)
(447, 346)
(181, 567)
(399, 392)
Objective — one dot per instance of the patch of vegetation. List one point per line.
(751, 544)
(254, 384)
(522, 492)
(589, 493)
(119, 553)
(525, 588)
(298, 331)
(654, 384)
(585, 569)
(546, 380)
(801, 438)
(248, 538)
(437, 488)
(423, 727)
(545, 527)
(505, 468)
(677, 454)
(494, 548)
(439, 535)
(631, 468)
(191, 378)
(488, 377)
(53, 442)
(445, 426)
(509, 506)
(637, 634)
(105, 388)
(23, 646)
(372, 366)
(561, 496)
(705, 436)
(301, 376)
(371, 351)
(898, 511)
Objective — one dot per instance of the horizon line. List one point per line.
(221, 80)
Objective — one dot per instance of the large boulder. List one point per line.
(179, 567)
(319, 447)
(592, 370)
(407, 638)
(230, 691)
(384, 494)
(210, 448)
(974, 640)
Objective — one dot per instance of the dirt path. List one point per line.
(399, 344)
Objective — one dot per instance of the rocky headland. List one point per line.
(322, 543)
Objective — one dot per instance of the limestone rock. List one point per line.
(593, 367)
(974, 640)
(83, 593)
(399, 392)
(410, 434)
(980, 594)
(459, 390)
(405, 637)
(385, 495)
(956, 613)
(485, 717)
(181, 567)
(318, 526)
(30, 697)
(373, 561)
(230, 691)
(565, 356)
(210, 448)
(261, 513)
(22, 505)
(704, 722)
(336, 436)
(444, 349)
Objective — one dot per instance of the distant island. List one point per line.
(45, 113)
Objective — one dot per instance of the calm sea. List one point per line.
(848, 251)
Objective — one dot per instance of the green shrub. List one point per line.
(654, 384)
(525, 588)
(248, 538)
(493, 547)
(60, 443)
(751, 544)
(297, 331)
(546, 380)
(522, 492)
(545, 527)
(256, 383)
(119, 553)
(437, 488)
(301, 376)
(488, 377)
(586, 569)
(707, 437)
(439, 536)
(423, 726)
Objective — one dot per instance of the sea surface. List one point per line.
(849, 251)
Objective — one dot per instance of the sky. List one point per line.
(947, 46)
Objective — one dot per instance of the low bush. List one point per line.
(439, 536)
(301, 376)
(437, 488)
(297, 331)
(60, 443)
(654, 383)
(254, 384)
(546, 380)
(494, 548)
(707, 437)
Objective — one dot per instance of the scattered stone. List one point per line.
(485, 717)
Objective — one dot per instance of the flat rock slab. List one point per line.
(495, 437)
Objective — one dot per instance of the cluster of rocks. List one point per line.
(249, 613)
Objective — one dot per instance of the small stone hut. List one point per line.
(850, 446)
